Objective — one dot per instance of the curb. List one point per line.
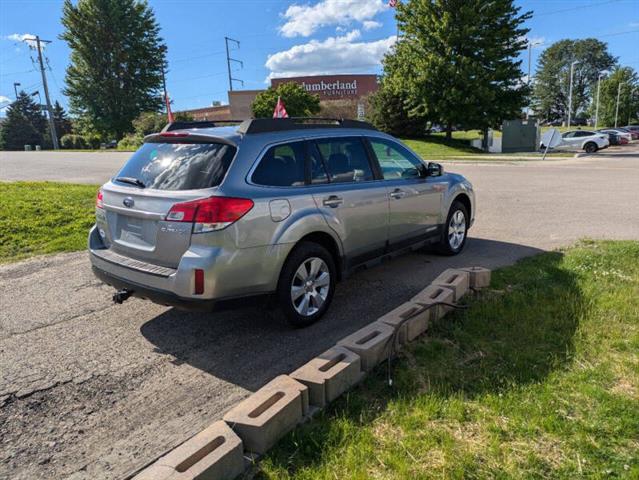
(230, 447)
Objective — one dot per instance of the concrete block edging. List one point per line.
(228, 447)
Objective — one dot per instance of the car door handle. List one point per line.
(397, 193)
(333, 201)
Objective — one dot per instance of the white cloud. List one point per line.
(4, 102)
(304, 20)
(371, 24)
(331, 56)
(22, 37)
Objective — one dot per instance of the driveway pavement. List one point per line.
(91, 390)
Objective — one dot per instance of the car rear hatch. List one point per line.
(133, 211)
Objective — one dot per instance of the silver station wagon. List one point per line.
(203, 216)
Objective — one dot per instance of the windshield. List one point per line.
(177, 166)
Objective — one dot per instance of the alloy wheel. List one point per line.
(310, 286)
(456, 229)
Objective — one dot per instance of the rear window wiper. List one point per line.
(131, 181)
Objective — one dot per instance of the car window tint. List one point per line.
(346, 159)
(281, 166)
(395, 161)
(569, 134)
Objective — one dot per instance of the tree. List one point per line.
(456, 61)
(61, 120)
(24, 124)
(389, 112)
(552, 79)
(628, 98)
(298, 102)
(117, 58)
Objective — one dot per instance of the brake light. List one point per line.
(99, 200)
(174, 134)
(210, 214)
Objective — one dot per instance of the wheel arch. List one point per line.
(327, 241)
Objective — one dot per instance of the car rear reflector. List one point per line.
(210, 214)
(199, 281)
(99, 200)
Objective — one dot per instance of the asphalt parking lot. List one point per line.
(92, 390)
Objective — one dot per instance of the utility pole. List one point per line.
(617, 109)
(572, 68)
(15, 89)
(54, 135)
(229, 60)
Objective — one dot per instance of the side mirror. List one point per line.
(435, 169)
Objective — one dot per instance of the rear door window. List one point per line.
(282, 166)
(346, 159)
(178, 166)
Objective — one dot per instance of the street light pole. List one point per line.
(597, 105)
(530, 45)
(572, 68)
(16, 84)
(617, 109)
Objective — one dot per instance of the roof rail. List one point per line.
(184, 125)
(263, 125)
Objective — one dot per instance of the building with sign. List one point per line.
(340, 96)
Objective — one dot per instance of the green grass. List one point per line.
(538, 379)
(44, 217)
(436, 146)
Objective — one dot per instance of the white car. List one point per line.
(585, 140)
(620, 133)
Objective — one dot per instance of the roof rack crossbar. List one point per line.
(183, 125)
(263, 125)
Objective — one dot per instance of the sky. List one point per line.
(282, 38)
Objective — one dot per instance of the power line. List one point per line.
(580, 7)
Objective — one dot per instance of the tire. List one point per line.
(298, 277)
(450, 242)
(591, 147)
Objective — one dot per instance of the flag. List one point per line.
(280, 109)
(169, 113)
(392, 3)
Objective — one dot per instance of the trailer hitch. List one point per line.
(121, 295)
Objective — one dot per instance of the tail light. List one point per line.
(210, 214)
(99, 200)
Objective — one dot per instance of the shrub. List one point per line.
(131, 141)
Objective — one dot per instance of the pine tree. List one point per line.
(457, 61)
(117, 57)
(24, 124)
(62, 122)
(552, 80)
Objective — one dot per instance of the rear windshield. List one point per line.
(178, 166)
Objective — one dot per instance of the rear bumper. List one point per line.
(228, 273)
(169, 299)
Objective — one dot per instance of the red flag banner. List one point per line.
(169, 113)
(280, 109)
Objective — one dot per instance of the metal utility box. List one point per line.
(520, 135)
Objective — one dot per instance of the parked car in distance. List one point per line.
(200, 218)
(585, 140)
(621, 132)
(634, 131)
(615, 137)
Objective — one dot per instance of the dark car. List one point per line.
(613, 138)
